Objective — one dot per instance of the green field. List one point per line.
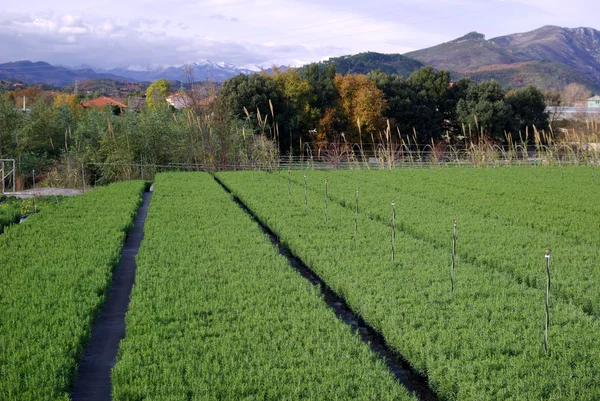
(56, 269)
(217, 313)
(485, 341)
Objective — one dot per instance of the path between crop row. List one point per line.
(93, 376)
(414, 382)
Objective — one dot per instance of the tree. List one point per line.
(157, 92)
(484, 110)
(528, 109)
(362, 104)
(296, 116)
(420, 104)
(573, 93)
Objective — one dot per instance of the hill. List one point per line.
(42, 72)
(550, 56)
(363, 63)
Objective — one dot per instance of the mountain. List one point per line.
(550, 57)
(42, 72)
(363, 63)
(578, 48)
(203, 70)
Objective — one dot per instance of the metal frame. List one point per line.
(7, 173)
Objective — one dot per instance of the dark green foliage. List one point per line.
(364, 63)
(484, 110)
(529, 109)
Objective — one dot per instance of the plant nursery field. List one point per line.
(218, 313)
(485, 341)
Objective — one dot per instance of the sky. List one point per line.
(260, 33)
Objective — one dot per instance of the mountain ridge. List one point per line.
(549, 57)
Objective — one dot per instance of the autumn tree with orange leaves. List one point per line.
(361, 106)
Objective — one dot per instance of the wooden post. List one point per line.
(83, 176)
(393, 229)
(547, 297)
(34, 203)
(305, 199)
(289, 188)
(356, 216)
(453, 257)
(325, 201)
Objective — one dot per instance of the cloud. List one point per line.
(267, 32)
(221, 17)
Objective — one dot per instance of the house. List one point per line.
(103, 101)
(179, 100)
(593, 102)
(182, 100)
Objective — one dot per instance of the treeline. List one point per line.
(318, 105)
(251, 119)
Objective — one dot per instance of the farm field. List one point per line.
(217, 313)
(486, 340)
(56, 269)
(12, 209)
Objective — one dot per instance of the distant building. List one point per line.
(182, 100)
(179, 100)
(593, 102)
(136, 103)
(102, 102)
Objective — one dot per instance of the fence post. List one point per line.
(83, 177)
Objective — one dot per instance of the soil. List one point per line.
(93, 375)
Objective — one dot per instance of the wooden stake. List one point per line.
(393, 229)
(453, 257)
(305, 199)
(289, 188)
(34, 203)
(356, 216)
(325, 201)
(547, 297)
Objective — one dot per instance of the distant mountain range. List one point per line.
(201, 71)
(549, 57)
(42, 72)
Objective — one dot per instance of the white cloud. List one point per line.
(263, 32)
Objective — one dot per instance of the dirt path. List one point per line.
(93, 376)
(29, 193)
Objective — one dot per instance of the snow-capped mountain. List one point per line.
(200, 71)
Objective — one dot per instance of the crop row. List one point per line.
(56, 269)
(491, 232)
(484, 342)
(217, 313)
(10, 213)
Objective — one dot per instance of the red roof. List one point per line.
(103, 101)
